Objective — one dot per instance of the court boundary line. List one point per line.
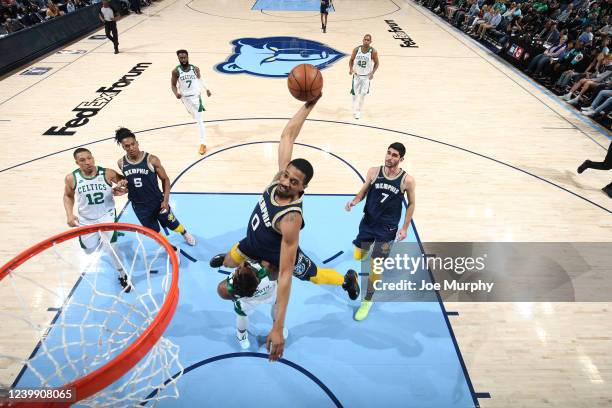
(219, 357)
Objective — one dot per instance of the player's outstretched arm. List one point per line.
(69, 186)
(289, 226)
(409, 186)
(163, 176)
(291, 132)
(370, 176)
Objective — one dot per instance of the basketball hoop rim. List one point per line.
(104, 376)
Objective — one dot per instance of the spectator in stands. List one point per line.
(70, 6)
(135, 6)
(587, 35)
(493, 23)
(550, 34)
(472, 12)
(513, 12)
(607, 29)
(12, 25)
(79, 4)
(53, 10)
(486, 17)
(540, 7)
(589, 83)
(601, 104)
(565, 14)
(541, 60)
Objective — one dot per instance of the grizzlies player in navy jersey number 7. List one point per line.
(385, 187)
(274, 228)
(141, 170)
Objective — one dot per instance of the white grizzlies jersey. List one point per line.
(93, 195)
(363, 63)
(188, 82)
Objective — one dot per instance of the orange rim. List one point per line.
(106, 375)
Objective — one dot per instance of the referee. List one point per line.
(108, 15)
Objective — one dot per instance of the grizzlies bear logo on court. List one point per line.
(277, 56)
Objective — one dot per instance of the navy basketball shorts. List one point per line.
(381, 235)
(151, 217)
(304, 269)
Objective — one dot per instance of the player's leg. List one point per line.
(168, 219)
(380, 251)
(364, 89)
(306, 269)
(355, 95)
(325, 21)
(363, 241)
(234, 257)
(98, 241)
(193, 104)
(199, 117)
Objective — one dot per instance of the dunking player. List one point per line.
(92, 186)
(187, 84)
(325, 5)
(248, 288)
(141, 171)
(274, 228)
(362, 66)
(385, 187)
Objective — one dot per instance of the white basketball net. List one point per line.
(91, 324)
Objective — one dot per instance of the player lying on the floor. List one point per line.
(248, 287)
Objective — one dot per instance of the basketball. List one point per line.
(305, 82)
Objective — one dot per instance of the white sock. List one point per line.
(114, 256)
(198, 117)
(361, 98)
(355, 103)
(242, 323)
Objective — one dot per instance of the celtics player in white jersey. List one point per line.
(248, 287)
(362, 66)
(91, 187)
(187, 84)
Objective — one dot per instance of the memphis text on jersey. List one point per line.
(264, 212)
(385, 186)
(86, 110)
(400, 34)
(136, 170)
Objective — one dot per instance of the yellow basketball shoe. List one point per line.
(363, 310)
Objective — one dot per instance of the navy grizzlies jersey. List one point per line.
(384, 200)
(142, 181)
(262, 236)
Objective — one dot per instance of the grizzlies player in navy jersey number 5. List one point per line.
(274, 228)
(385, 187)
(141, 170)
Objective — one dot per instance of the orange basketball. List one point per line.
(305, 82)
